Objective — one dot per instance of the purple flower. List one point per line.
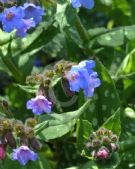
(27, 24)
(82, 76)
(33, 11)
(11, 18)
(89, 4)
(23, 154)
(39, 105)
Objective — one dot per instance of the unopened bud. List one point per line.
(114, 147)
(31, 122)
(19, 128)
(89, 145)
(29, 132)
(96, 143)
(2, 152)
(114, 138)
(101, 131)
(106, 139)
(35, 144)
(10, 139)
(6, 124)
(102, 154)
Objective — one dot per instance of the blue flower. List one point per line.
(93, 82)
(89, 4)
(88, 65)
(27, 24)
(11, 18)
(38, 62)
(83, 77)
(76, 78)
(23, 154)
(33, 11)
(39, 105)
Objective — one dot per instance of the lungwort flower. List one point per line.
(23, 154)
(11, 18)
(27, 24)
(83, 77)
(89, 4)
(33, 11)
(39, 105)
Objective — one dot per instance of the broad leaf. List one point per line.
(60, 124)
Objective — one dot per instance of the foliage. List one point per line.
(67, 36)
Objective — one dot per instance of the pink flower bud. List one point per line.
(2, 152)
(103, 154)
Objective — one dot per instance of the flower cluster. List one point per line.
(102, 144)
(21, 18)
(83, 77)
(73, 79)
(27, 140)
(89, 4)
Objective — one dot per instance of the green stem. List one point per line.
(83, 35)
(81, 30)
(13, 69)
(127, 145)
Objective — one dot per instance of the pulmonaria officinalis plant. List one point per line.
(67, 84)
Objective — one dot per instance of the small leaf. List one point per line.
(84, 129)
(113, 123)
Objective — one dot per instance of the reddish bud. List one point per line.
(2, 152)
(10, 139)
(103, 154)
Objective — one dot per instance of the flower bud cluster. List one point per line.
(58, 70)
(13, 132)
(102, 144)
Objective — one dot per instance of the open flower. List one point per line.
(33, 11)
(39, 105)
(83, 77)
(89, 4)
(23, 154)
(27, 24)
(11, 18)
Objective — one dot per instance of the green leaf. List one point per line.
(114, 37)
(23, 49)
(28, 89)
(127, 66)
(111, 163)
(113, 123)
(84, 129)
(60, 124)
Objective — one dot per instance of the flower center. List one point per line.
(9, 16)
(73, 76)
